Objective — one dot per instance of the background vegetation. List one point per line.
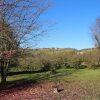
(50, 59)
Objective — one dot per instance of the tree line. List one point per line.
(51, 59)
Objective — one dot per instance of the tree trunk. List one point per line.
(3, 73)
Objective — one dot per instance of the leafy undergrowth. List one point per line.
(80, 90)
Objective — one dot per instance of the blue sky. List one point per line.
(73, 19)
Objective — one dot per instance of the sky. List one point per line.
(72, 21)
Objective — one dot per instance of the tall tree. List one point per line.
(95, 30)
(8, 45)
(19, 24)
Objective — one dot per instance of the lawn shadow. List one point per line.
(17, 84)
(22, 72)
(35, 79)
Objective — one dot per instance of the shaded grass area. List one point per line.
(39, 75)
(63, 75)
(82, 84)
(15, 79)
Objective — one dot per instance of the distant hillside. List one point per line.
(55, 50)
(87, 50)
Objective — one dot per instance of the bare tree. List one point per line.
(19, 24)
(95, 30)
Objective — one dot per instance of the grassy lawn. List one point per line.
(62, 74)
(83, 84)
(82, 74)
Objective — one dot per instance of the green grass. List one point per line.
(84, 83)
(34, 76)
(62, 74)
(83, 74)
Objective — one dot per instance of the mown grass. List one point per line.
(61, 74)
(83, 74)
(81, 84)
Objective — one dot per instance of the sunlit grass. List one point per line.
(83, 74)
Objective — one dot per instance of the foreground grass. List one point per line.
(82, 74)
(61, 74)
(82, 84)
